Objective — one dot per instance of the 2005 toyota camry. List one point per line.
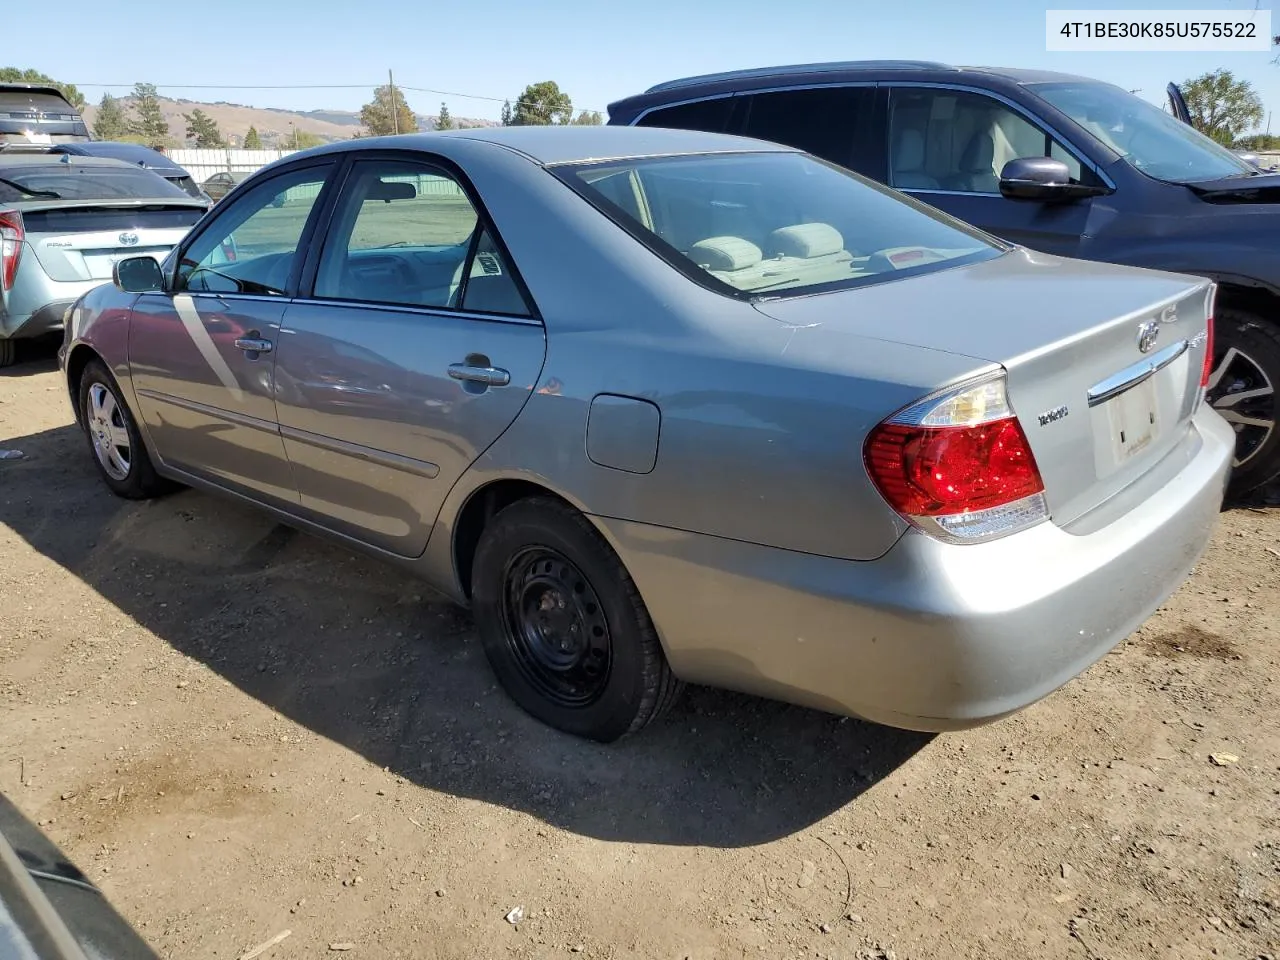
(664, 406)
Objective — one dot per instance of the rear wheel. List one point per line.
(563, 625)
(114, 439)
(1243, 385)
(8, 352)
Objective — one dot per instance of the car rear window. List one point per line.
(72, 181)
(23, 101)
(774, 224)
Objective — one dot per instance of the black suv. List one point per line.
(33, 113)
(1058, 163)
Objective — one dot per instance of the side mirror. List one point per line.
(137, 275)
(1041, 178)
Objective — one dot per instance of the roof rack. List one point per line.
(800, 68)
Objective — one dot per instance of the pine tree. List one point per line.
(150, 124)
(251, 139)
(203, 129)
(444, 121)
(507, 115)
(112, 122)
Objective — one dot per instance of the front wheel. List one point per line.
(1243, 389)
(563, 625)
(114, 438)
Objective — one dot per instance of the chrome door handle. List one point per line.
(489, 376)
(254, 345)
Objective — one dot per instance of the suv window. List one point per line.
(960, 141)
(75, 181)
(406, 233)
(252, 244)
(709, 115)
(823, 121)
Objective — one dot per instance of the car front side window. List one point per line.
(959, 141)
(252, 246)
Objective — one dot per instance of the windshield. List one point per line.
(70, 181)
(757, 223)
(1154, 142)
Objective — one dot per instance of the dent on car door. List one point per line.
(417, 349)
(202, 352)
(948, 147)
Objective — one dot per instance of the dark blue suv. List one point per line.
(1058, 163)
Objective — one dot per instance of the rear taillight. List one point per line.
(11, 238)
(958, 465)
(1207, 370)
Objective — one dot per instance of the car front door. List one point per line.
(947, 147)
(417, 348)
(202, 352)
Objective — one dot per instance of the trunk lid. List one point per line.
(1103, 362)
(82, 240)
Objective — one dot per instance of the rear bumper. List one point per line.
(931, 636)
(47, 319)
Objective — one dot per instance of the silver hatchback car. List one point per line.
(64, 221)
(664, 406)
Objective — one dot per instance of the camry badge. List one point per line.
(1052, 416)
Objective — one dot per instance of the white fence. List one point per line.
(202, 164)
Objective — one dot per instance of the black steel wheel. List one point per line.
(563, 624)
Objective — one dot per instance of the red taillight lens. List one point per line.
(1208, 352)
(959, 465)
(930, 471)
(11, 238)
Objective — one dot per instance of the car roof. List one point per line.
(548, 145)
(13, 160)
(829, 72)
(133, 152)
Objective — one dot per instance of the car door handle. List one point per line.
(490, 376)
(253, 345)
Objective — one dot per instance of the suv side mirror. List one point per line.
(137, 275)
(1042, 179)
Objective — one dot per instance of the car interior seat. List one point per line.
(908, 163)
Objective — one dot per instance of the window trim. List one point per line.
(305, 292)
(304, 240)
(1038, 122)
(669, 255)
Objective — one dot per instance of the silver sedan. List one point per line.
(664, 406)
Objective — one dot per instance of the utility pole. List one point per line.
(395, 113)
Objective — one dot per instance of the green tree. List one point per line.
(149, 122)
(542, 104)
(14, 75)
(387, 113)
(444, 121)
(1268, 142)
(111, 122)
(1221, 106)
(508, 117)
(589, 118)
(251, 139)
(302, 140)
(203, 129)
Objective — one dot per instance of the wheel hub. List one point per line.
(556, 628)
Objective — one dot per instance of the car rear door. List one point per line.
(417, 348)
(202, 353)
(947, 146)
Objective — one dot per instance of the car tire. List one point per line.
(8, 352)
(563, 624)
(114, 440)
(1244, 387)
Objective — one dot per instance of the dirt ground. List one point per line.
(237, 731)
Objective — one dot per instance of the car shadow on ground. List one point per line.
(366, 656)
(39, 355)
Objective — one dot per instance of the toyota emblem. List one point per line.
(1148, 334)
(128, 239)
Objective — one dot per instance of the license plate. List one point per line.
(1134, 420)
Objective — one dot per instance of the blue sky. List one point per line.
(597, 51)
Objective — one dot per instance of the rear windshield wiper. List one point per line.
(48, 194)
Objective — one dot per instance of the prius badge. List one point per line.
(1148, 334)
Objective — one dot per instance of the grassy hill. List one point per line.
(273, 124)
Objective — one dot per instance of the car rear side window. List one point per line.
(709, 115)
(820, 120)
(406, 233)
(251, 246)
